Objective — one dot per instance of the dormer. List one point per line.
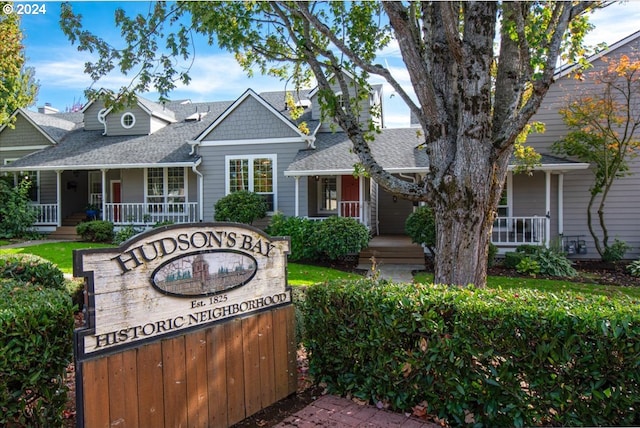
(373, 103)
(144, 117)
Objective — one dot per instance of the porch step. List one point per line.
(392, 250)
(67, 233)
(74, 219)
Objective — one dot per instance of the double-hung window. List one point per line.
(253, 173)
(166, 189)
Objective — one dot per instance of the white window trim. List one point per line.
(338, 195)
(165, 185)
(250, 159)
(508, 186)
(133, 122)
(101, 115)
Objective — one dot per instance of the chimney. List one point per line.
(47, 109)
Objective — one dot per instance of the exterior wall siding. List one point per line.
(142, 125)
(18, 141)
(250, 120)
(623, 202)
(91, 122)
(213, 168)
(327, 124)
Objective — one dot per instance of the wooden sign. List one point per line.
(217, 287)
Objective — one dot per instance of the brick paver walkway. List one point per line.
(331, 411)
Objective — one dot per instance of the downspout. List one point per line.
(59, 198)
(547, 182)
(194, 168)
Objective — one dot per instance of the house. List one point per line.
(156, 162)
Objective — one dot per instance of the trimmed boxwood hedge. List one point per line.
(31, 269)
(36, 346)
(478, 357)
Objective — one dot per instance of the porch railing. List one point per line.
(47, 214)
(150, 213)
(350, 209)
(520, 230)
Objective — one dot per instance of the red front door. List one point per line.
(350, 192)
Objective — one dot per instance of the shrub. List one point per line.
(421, 227)
(96, 231)
(31, 269)
(302, 233)
(634, 268)
(615, 252)
(512, 259)
(478, 357)
(554, 263)
(125, 233)
(338, 236)
(35, 348)
(240, 207)
(491, 254)
(16, 214)
(528, 266)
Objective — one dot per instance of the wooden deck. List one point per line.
(392, 249)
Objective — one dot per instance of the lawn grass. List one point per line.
(59, 253)
(547, 285)
(301, 274)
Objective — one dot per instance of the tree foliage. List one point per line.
(17, 216)
(604, 126)
(472, 97)
(17, 86)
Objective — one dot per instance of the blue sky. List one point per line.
(215, 74)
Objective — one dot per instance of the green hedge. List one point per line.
(36, 346)
(330, 239)
(96, 231)
(485, 357)
(31, 269)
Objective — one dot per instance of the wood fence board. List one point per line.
(267, 367)
(251, 355)
(116, 384)
(175, 382)
(280, 352)
(197, 405)
(235, 371)
(292, 349)
(95, 388)
(217, 376)
(130, 373)
(150, 386)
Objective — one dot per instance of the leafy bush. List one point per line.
(31, 269)
(528, 266)
(478, 357)
(548, 261)
(17, 216)
(615, 252)
(126, 232)
(512, 259)
(491, 254)
(302, 233)
(634, 268)
(554, 263)
(35, 349)
(338, 236)
(240, 207)
(96, 231)
(421, 227)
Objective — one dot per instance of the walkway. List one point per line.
(331, 411)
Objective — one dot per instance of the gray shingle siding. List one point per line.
(213, 168)
(623, 202)
(142, 124)
(250, 120)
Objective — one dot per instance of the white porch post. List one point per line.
(297, 195)
(561, 203)
(361, 199)
(58, 198)
(547, 210)
(103, 207)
